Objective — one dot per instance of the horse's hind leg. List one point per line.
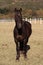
(24, 47)
(18, 50)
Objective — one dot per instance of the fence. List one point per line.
(35, 21)
(32, 21)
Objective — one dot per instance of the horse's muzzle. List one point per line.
(19, 26)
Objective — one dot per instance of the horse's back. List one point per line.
(28, 24)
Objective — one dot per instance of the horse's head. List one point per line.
(18, 17)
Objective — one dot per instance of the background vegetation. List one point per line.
(31, 8)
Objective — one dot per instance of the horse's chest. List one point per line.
(20, 31)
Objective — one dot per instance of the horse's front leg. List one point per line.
(18, 50)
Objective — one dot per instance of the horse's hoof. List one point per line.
(25, 56)
(17, 57)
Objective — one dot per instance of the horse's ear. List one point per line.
(15, 10)
(21, 9)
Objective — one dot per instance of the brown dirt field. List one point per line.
(8, 48)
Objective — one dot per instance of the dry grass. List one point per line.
(8, 49)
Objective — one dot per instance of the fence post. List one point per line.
(30, 20)
(35, 20)
(26, 19)
(40, 20)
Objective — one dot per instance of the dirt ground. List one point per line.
(8, 47)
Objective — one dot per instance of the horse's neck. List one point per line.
(20, 31)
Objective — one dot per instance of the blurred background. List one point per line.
(31, 8)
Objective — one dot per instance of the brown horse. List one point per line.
(22, 32)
